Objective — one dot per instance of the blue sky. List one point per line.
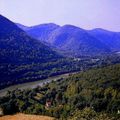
(87, 14)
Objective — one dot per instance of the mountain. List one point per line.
(22, 58)
(25, 59)
(72, 40)
(40, 32)
(109, 38)
(77, 41)
(17, 47)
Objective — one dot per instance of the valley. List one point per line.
(64, 72)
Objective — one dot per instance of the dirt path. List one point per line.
(25, 117)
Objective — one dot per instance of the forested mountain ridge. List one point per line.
(16, 46)
(77, 41)
(109, 38)
(41, 32)
(24, 59)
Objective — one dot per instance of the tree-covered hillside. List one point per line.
(24, 59)
(90, 95)
(18, 48)
(20, 53)
(75, 41)
(41, 32)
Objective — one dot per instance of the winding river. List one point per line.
(33, 84)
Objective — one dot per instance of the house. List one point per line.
(48, 104)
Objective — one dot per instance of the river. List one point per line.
(33, 84)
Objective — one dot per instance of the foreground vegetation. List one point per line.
(91, 95)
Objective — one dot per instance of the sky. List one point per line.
(87, 14)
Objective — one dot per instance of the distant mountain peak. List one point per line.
(18, 46)
(75, 39)
(102, 30)
(45, 24)
(68, 26)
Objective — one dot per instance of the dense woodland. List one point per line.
(11, 74)
(91, 95)
(21, 73)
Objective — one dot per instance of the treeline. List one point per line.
(11, 74)
(94, 94)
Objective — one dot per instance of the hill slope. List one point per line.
(77, 41)
(40, 32)
(74, 40)
(109, 38)
(25, 59)
(16, 46)
(20, 55)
